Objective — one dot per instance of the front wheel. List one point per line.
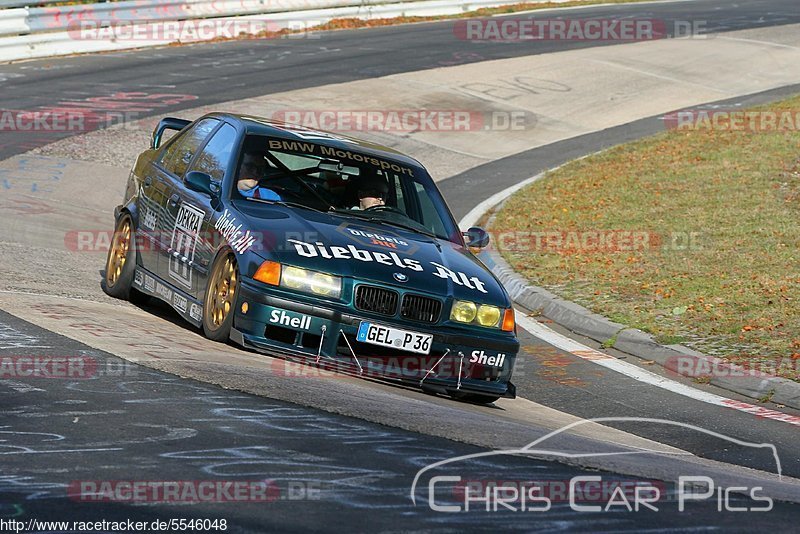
(220, 300)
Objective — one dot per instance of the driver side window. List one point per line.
(179, 154)
(215, 157)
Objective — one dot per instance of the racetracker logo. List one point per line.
(598, 241)
(188, 31)
(726, 120)
(99, 241)
(173, 491)
(528, 29)
(478, 364)
(404, 121)
(42, 121)
(194, 491)
(88, 114)
(64, 367)
(706, 367)
(69, 367)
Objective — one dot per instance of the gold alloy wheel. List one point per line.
(119, 253)
(220, 300)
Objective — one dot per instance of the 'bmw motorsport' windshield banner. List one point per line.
(333, 152)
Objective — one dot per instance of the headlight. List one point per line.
(297, 279)
(314, 282)
(463, 311)
(325, 284)
(293, 277)
(486, 315)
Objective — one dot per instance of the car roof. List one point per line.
(274, 128)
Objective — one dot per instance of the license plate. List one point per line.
(394, 337)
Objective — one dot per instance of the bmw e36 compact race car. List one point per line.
(313, 246)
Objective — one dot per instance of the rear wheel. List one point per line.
(121, 263)
(220, 300)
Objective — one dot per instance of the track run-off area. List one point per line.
(167, 404)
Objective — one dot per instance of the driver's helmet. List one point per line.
(252, 167)
(371, 184)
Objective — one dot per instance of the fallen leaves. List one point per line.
(738, 291)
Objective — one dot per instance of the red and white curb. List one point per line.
(602, 359)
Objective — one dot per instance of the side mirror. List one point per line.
(202, 183)
(476, 237)
(168, 123)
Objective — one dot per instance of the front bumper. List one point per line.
(458, 363)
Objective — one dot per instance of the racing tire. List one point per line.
(121, 263)
(220, 300)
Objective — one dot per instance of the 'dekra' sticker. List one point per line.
(184, 243)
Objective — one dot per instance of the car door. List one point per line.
(182, 224)
(150, 202)
(213, 159)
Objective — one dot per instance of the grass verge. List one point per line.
(692, 236)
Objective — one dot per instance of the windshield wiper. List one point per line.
(406, 226)
(287, 203)
(388, 222)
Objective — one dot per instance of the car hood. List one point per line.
(368, 251)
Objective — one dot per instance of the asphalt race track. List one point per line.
(234, 70)
(319, 466)
(326, 457)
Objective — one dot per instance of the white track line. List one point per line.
(564, 343)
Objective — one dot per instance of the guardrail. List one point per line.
(29, 3)
(44, 19)
(37, 32)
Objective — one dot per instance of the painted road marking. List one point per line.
(566, 344)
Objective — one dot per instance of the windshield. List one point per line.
(346, 182)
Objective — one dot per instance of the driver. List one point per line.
(252, 170)
(372, 190)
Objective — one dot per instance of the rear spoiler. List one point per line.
(167, 123)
